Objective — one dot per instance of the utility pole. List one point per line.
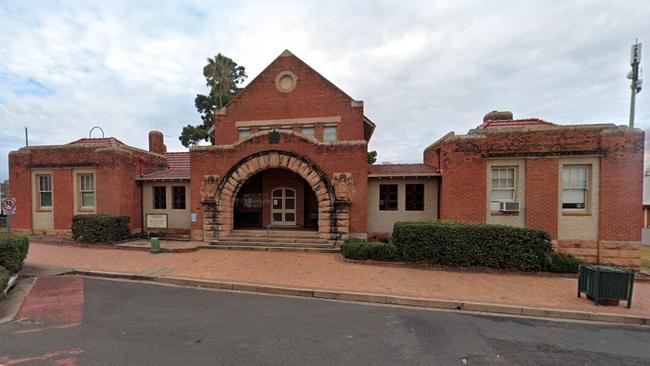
(635, 60)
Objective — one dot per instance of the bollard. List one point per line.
(155, 245)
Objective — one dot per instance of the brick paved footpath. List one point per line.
(326, 271)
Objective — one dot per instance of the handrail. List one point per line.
(268, 229)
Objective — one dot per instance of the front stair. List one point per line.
(276, 240)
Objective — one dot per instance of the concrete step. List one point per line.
(226, 246)
(276, 233)
(273, 239)
(239, 243)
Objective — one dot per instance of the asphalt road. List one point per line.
(126, 323)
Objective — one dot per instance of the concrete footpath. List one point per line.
(328, 276)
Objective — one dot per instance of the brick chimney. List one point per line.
(157, 143)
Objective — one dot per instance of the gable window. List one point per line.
(575, 179)
(178, 195)
(243, 133)
(87, 190)
(44, 191)
(388, 197)
(308, 131)
(503, 184)
(160, 198)
(414, 197)
(329, 133)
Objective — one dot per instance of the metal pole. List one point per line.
(26, 139)
(635, 86)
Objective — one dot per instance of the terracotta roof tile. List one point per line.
(515, 123)
(385, 170)
(178, 168)
(105, 141)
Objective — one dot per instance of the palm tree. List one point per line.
(220, 74)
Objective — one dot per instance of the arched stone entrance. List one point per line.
(333, 199)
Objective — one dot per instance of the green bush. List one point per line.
(100, 228)
(562, 263)
(13, 251)
(4, 278)
(363, 250)
(454, 244)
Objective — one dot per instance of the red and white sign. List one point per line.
(9, 205)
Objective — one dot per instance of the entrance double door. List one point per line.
(283, 206)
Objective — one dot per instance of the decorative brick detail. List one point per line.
(209, 187)
(334, 217)
(343, 186)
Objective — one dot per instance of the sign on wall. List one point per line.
(9, 206)
(156, 221)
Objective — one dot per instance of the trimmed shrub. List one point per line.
(363, 250)
(482, 245)
(100, 228)
(563, 263)
(4, 278)
(13, 251)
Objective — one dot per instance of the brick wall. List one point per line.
(620, 152)
(116, 191)
(313, 96)
(463, 185)
(542, 194)
(330, 157)
(63, 200)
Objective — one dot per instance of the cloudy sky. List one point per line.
(423, 68)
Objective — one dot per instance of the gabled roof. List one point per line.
(178, 164)
(103, 141)
(369, 126)
(402, 170)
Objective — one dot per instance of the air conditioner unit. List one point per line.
(509, 206)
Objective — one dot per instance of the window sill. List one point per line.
(583, 213)
(501, 213)
(44, 210)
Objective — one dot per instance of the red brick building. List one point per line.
(290, 157)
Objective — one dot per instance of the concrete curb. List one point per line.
(461, 306)
(115, 246)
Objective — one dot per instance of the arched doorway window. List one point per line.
(283, 207)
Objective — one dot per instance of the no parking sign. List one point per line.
(9, 206)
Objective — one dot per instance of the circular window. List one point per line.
(286, 81)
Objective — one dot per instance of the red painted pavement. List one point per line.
(62, 362)
(53, 303)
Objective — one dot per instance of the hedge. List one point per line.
(373, 250)
(562, 263)
(100, 228)
(4, 279)
(482, 245)
(13, 251)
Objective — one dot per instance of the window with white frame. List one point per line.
(329, 133)
(44, 191)
(243, 133)
(575, 185)
(87, 190)
(308, 131)
(503, 184)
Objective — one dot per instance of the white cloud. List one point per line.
(423, 68)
